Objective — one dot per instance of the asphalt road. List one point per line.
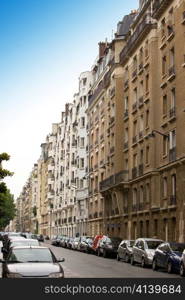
(82, 265)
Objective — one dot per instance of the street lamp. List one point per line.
(152, 134)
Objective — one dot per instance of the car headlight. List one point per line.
(56, 275)
(14, 275)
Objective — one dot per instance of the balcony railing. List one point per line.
(172, 154)
(173, 200)
(140, 66)
(172, 112)
(134, 172)
(114, 180)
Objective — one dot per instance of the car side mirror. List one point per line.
(61, 260)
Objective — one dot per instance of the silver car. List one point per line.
(182, 264)
(143, 251)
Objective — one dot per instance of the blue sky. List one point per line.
(44, 46)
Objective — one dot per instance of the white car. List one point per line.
(182, 264)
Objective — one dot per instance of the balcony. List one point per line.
(172, 154)
(173, 200)
(172, 112)
(171, 32)
(134, 172)
(159, 7)
(141, 168)
(142, 29)
(125, 114)
(171, 73)
(113, 180)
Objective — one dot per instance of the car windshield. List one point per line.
(30, 255)
(25, 243)
(178, 247)
(153, 244)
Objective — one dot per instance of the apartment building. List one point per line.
(82, 154)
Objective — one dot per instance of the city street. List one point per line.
(82, 265)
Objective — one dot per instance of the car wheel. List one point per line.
(143, 265)
(118, 258)
(132, 260)
(154, 265)
(104, 253)
(126, 258)
(182, 270)
(169, 267)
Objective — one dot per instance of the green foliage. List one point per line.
(7, 207)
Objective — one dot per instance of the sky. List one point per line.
(44, 46)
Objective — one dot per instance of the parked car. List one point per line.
(125, 250)
(182, 264)
(63, 242)
(32, 262)
(46, 237)
(54, 240)
(143, 251)
(40, 238)
(1, 247)
(96, 242)
(70, 243)
(88, 245)
(59, 239)
(82, 243)
(168, 256)
(75, 243)
(108, 246)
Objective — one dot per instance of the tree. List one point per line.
(7, 207)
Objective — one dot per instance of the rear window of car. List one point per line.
(153, 244)
(178, 247)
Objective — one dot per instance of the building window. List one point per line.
(81, 163)
(172, 57)
(82, 142)
(172, 139)
(165, 187)
(147, 155)
(147, 83)
(165, 146)
(134, 197)
(147, 193)
(163, 28)
(82, 122)
(147, 118)
(141, 194)
(173, 184)
(164, 105)
(173, 98)
(141, 123)
(126, 103)
(146, 49)
(164, 66)
(135, 160)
